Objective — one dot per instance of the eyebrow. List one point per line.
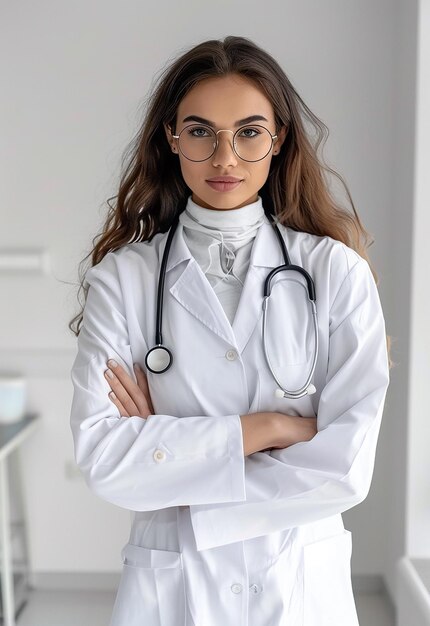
(246, 120)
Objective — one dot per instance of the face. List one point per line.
(223, 102)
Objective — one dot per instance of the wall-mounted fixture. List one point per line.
(24, 260)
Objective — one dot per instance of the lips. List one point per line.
(224, 183)
(224, 179)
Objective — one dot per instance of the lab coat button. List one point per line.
(254, 588)
(231, 355)
(236, 588)
(159, 456)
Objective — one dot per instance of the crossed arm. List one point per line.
(260, 431)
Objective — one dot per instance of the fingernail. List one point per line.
(112, 395)
(137, 367)
(110, 374)
(112, 363)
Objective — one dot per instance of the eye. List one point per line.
(246, 132)
(199, 131)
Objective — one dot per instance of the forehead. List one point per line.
(225, 99)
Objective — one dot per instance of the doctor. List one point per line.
(246, 433)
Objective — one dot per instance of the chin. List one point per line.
(226, 200)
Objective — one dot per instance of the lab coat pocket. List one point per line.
(151, 591)
(328, 598)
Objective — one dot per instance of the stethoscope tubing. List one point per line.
(303, 391)
(162, 275)
(165, 356)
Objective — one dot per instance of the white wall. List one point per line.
(399, 308)
(78, 73)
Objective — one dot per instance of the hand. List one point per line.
(130, 398)
(294, 429)
(265, 431)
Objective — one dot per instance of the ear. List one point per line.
(172, 142)
(282, 133)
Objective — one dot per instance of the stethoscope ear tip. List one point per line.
(280, 393)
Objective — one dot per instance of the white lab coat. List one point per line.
(218, 538)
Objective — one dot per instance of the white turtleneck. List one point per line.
(221, 242)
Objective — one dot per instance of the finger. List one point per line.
(121, 393)
(118, 404)
(142, 381)
(128, 392)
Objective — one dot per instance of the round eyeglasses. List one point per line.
(250, 143)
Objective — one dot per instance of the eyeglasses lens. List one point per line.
(198, 143)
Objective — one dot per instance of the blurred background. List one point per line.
(75, 76)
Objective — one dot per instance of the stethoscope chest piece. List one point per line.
(158, 359)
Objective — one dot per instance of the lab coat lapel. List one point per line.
(265, 255)
(194, 292)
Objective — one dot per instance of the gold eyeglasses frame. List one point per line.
(227, 130)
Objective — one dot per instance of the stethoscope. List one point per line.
(159, 358)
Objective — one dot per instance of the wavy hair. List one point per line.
(152, 190)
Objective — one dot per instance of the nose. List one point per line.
(224, 154)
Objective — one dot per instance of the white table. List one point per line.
(11, 437)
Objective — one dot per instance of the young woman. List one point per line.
(233, 406)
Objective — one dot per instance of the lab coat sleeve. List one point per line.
(332, 472)
(118, 455)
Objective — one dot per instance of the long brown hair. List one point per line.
(152, 190)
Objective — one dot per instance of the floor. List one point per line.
(374, 609)
(69, 608)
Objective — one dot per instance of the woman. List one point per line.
(237, 452)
